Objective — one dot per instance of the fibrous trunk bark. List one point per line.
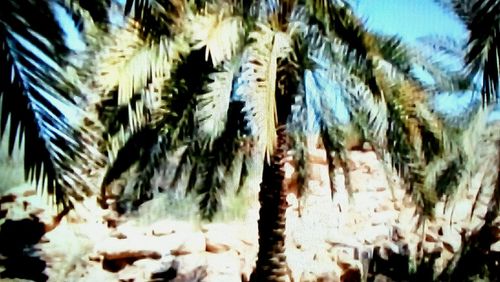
(271, 261)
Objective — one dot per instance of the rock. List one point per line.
(298, 262)
(132, 273)
(193, 242)
(367, 146)
(191, 267)
(169, 226)
(452, 241)
(130, 248)
(384, 217)
(461, 211)
(143, 246)
(223, 267)
(495, 247)
(433, 248)
(371, 234)
(153, 265)
(128, 229)
(351, 274)
(220, 241)
(8, 198)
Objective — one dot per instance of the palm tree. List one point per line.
(218, 82)
(257, 69)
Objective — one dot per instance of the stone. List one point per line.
(461, 211)
(132, 273)
(452, 241)
(191, 267)
(190, 242)
(384, 217)
(169, 226)
(495, 247)
(8, 198)
(372, 234)
(130, 248)
(218, 241)
(223, 267)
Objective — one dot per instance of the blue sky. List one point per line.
(409, 18)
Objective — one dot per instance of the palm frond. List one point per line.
(442, 61)
(257, 82)
(218, 163)
(338, 21)
(218, 31)
(482, 58)
(42, 104)
(297, 128)
(98, 10)
(158, 18)
(130, 63)
(212, 107)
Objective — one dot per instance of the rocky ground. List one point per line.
(374, 235)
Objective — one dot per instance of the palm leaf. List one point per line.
(212, 107)
(131, 63)
(98, 10)
(158, 18)
(218, 31)
(257, 82)
(41, 104)
(482, 57)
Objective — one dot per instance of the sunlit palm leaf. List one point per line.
(257, 82)
(218, 31)
(212, 107)
(130, 63)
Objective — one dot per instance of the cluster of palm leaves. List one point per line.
(215, 84)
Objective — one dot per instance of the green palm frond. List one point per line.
(219, 162)
(257, 82)
(482, 19)
(338, 21)
(158, 18)
(297, 129)
(43, 106)
(442, 59)
(130, 63)
(212, 107)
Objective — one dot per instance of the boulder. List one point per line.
(130, 248)
(191, 267)
(218, 241)
(495, 247)
(223, 267)
(189, 243)
(169, 226)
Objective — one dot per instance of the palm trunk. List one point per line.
(271, 261)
